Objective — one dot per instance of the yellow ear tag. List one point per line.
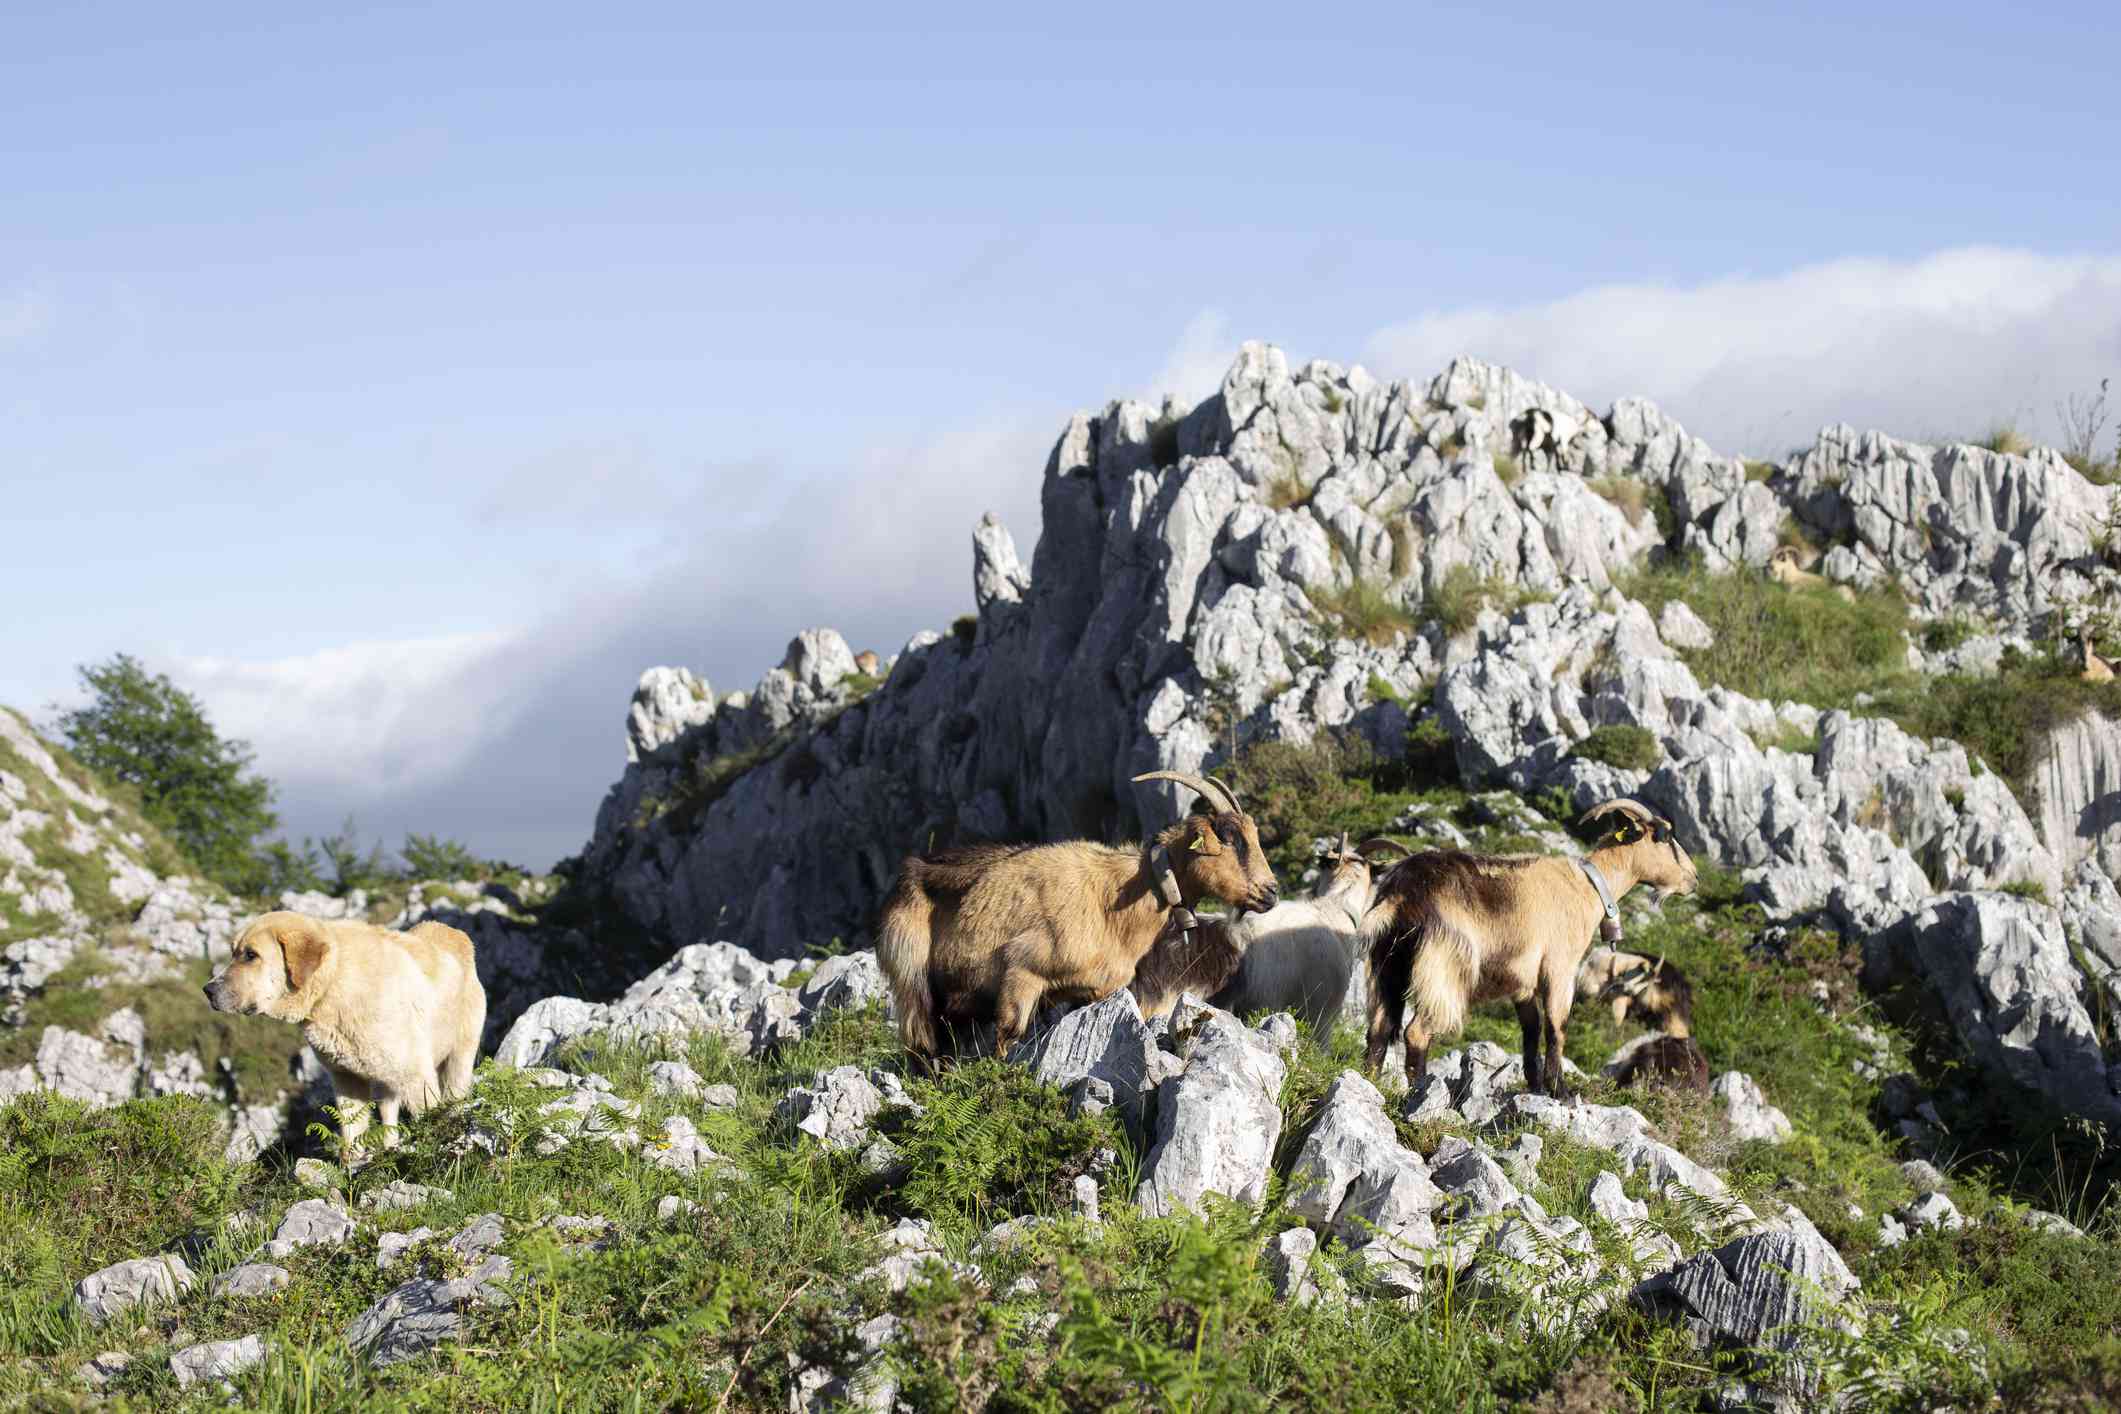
(1200, 842)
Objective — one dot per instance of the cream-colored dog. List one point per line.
(395, 1017)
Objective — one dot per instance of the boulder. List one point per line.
(1108, 1043)
(252, 1279)
(122, 1286)
(216, 1360)
(2001, 966)
(1216, 1123)
(1747, 1109)
(835, 1108)
(1754, 1290)
(1353, 1178)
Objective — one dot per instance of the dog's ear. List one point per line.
(305, 946)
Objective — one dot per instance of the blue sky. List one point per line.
(406, 382)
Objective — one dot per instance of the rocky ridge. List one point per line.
(1191, 588)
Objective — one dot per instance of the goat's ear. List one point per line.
(1204, 841)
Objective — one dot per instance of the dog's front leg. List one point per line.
(388, 1103)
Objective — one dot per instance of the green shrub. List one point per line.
(1287, 491)
(991, 1142)
(1629, 747)
(1943, 635)
(1363, 609)
(1630, 494)
(2027, 888)
(433, 857)
(2005, 438)
(1759, 470)
(1507, 468)
(1777, 644)
(965, 629)
(82, 1188)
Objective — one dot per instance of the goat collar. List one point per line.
(1163, 879)
(1609, 926)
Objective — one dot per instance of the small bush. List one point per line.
(1365, 610)
(1630, 495)
(2006, 439)
(860, 685)
(1787, 736)
(965, 628)
(1758, 470)
(1456, 602)
(1628, 747)
(991, 1142)
(2027, 888)
(1287, 491)
(1943, 635)
(432, 857)
(1506, 467)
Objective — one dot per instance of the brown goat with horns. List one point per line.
(989, 932)
(1450, 930)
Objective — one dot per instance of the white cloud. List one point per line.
(26, 311)
(365, 719)
(1949, 344)
(1197, 362)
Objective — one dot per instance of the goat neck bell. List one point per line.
(1608, 926)
(1165, 881)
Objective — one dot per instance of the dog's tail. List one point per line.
(902, 937)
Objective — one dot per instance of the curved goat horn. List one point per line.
(1634, 810)
(1380, 842)
(1342, 848)
(1207, 787)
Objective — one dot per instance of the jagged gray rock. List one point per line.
(415, 1316)
(1216, 1123)
(1353, 1178)
(2002, 968)
(2076, 792)
(1107, 1044)
(1753, 1290)
(1747, 1109)
(252, 1279)
(399, 1195)
(835, 1108)
(142, 1281)
(216, 1360)
(313, 1222)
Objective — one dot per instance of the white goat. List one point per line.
(1299, 955)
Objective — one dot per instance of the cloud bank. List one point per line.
(509, 739)
(1940, 347)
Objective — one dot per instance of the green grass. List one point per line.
(1628, 747)
(1287, 491)
(261, 1050)
(1507, 468)
(1363, 609)
(1630, 494)
(1787, 737)
(1809, 645)
(2005, 438)
(1759, 470)
(1457, 601)
(1151, 1313)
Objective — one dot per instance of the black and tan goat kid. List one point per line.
(1650, 992)
(1450, 930)
(990, 932)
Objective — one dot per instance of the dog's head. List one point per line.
(269, 965)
